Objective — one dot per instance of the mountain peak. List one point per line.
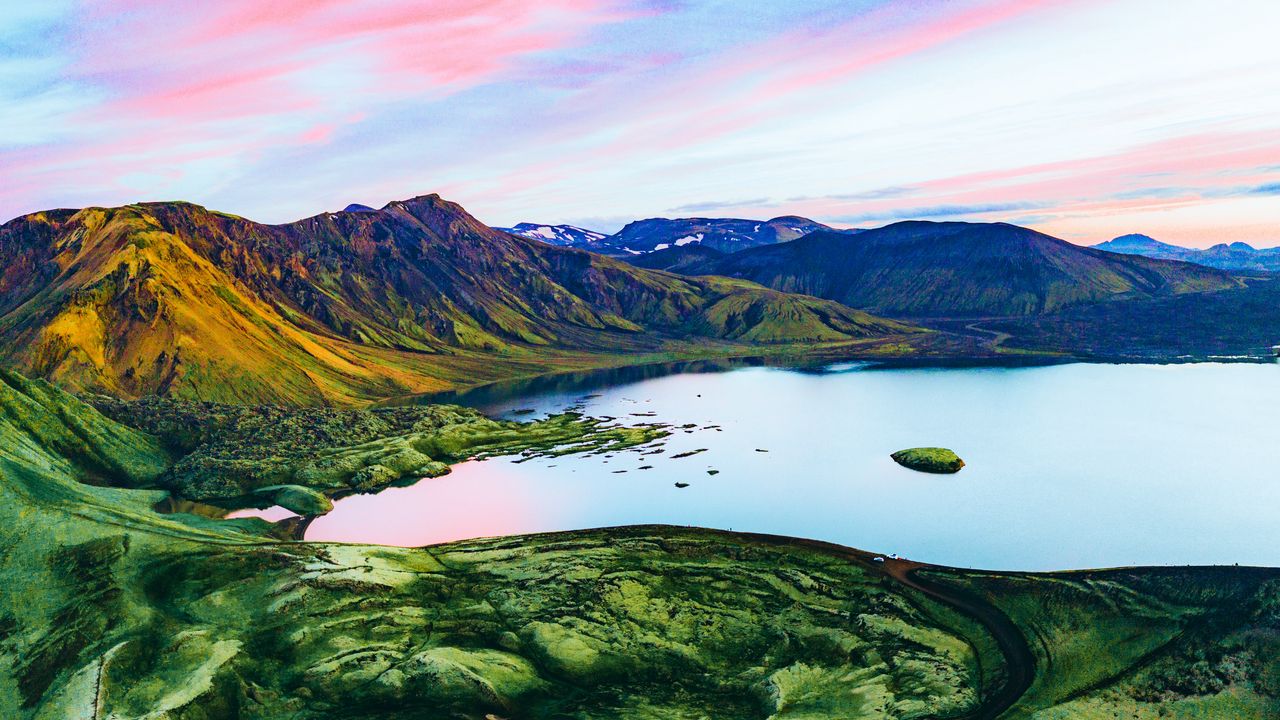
(723, 234)
(429, 201)
(418, 199)
(440, 215)
(1135, 241)
(562, 235)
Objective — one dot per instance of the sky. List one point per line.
(1085, 119)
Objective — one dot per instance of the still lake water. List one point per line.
(1069, 466)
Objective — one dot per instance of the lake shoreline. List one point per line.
(815, 362)
(1081, 464)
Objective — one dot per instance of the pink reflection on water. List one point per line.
(274, 513)
(477, 499)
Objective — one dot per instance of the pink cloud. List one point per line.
(1205, 167)
(245, 58)
(321, 133)
(751, 85)
(222, 82)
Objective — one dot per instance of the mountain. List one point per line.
(174, 299)
(658, 234)
(954, 269)
(1236, 256)
(723, 234)
(562, 235)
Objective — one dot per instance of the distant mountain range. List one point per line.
(657, 234)
(171, 298)
(954, 269)
(1235, 256)
(562, 235)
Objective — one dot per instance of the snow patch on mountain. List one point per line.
(564, 235)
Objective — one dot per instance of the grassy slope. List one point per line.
(172, 299)
(113, 610)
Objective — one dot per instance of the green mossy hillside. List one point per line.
(42, 426)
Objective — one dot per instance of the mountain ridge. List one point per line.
(1237, 256)
(562, 235)
(640, 237)
(927, 269)
(172, 298)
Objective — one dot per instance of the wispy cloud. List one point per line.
(876, 194)
(163, 92)
(710, 205)
(936, 212)
(1167, 116)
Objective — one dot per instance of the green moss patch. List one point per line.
(929, 459)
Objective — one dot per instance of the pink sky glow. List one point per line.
(1082, 118)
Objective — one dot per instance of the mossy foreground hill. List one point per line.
(173, 299)
(111, 610)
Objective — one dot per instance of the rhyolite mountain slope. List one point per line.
(955, 269)
(171, 298)
(723, 234)
(1237, 256)
(110, 609)
(562, 235)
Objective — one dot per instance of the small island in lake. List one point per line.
(929, 459)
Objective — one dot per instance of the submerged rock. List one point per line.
(929, 459)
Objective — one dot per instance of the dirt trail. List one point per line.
(997, 337)
(1020, 664)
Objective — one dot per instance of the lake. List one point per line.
(1069, 466)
